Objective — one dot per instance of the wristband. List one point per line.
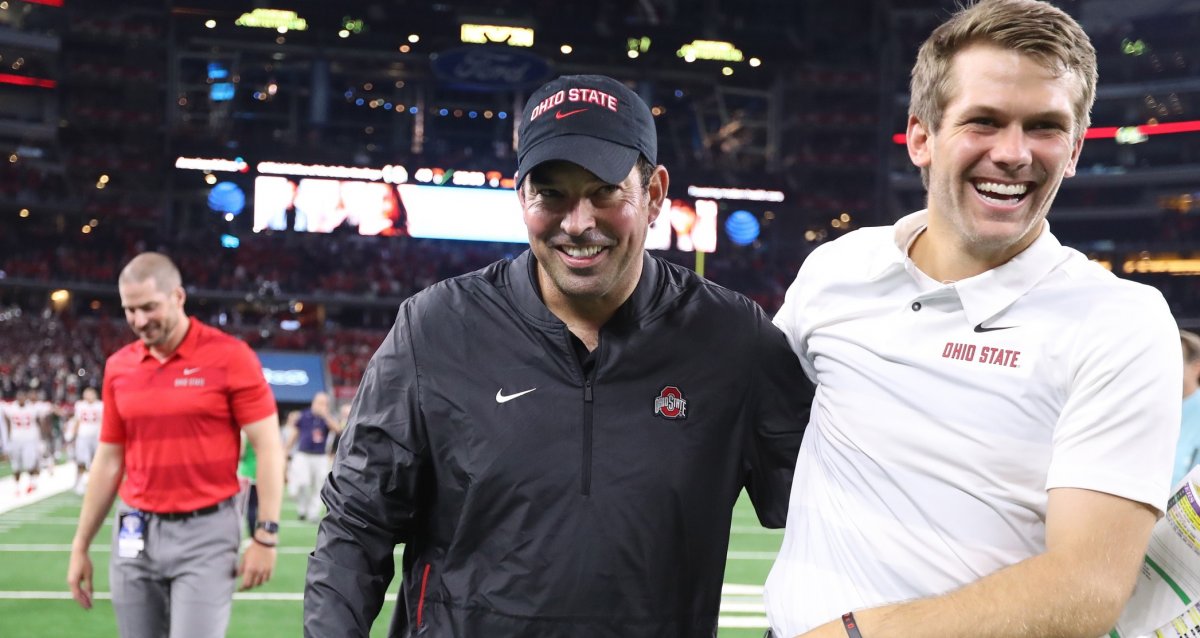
(263, 543)
(851, 625)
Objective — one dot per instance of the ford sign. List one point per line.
(489, 68)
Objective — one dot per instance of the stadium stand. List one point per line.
(90, 182)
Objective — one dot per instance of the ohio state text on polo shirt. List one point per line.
(179, 420)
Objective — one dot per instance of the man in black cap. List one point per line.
(558, 440)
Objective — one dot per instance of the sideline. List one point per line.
(50, 483)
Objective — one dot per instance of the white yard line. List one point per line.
(752, 555)
(743, 622)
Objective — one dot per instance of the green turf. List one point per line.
(51, 524)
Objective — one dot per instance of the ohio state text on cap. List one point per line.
(590, 120)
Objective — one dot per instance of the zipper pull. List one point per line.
(587, 390)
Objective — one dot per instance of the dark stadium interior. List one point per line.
(98, 100)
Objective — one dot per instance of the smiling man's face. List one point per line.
(588, 235)
(1005, 143)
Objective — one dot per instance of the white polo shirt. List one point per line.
(944, 413)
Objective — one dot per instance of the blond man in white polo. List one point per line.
(991, 439)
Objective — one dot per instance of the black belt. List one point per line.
(183, 516)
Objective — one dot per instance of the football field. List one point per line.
(35, 545)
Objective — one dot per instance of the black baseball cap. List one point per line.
(590, 120)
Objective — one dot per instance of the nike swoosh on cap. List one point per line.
(980, 328)
(558, 115)
(502, 398)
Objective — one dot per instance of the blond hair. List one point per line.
(156, 266)
(1030, 27)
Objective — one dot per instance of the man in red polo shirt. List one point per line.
(175, 402)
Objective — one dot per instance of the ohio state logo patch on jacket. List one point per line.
(670, 403)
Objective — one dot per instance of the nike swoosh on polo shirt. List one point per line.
(979, 328)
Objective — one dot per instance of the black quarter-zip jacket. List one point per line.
(536, 499)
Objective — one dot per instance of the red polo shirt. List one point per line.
(180, 419)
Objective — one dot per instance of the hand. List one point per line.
(257, 566)
(79, 578)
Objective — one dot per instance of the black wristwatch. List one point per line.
(270, 527)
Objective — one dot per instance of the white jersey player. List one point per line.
(85, 432)
(24, 439)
